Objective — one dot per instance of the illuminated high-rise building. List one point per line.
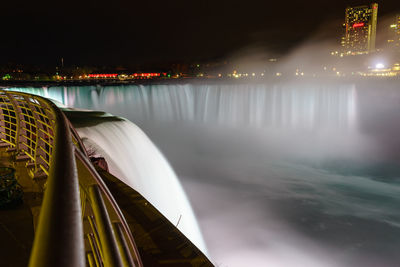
(394, 34)
(360, 29)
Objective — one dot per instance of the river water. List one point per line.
(300, 173)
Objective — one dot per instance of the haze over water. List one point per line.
(302, 173)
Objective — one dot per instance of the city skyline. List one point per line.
(136, 33)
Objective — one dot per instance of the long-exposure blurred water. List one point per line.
(283, 174)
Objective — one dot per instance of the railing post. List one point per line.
(81, 156)
(16, 110)
(123, 245)
(109, 246)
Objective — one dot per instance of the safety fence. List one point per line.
(80, 223)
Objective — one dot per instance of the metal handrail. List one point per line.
(35, 128)
(60, 215)
(136, 260)
(82, 155)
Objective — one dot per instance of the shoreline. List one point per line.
(71, 83)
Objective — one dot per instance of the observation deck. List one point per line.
(58, 209)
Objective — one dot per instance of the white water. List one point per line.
(134, 159)
(291, 174)
(287, 106)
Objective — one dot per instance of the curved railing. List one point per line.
(79, 223)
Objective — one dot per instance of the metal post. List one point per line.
(109, 247)
(123, 245)
(81, 156)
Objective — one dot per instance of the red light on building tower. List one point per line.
(358, 25)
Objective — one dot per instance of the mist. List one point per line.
(281, 173)
(281, 198)
(317, 56)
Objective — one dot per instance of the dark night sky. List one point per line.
(122, 32)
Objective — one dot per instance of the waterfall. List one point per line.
(134, 159)
(308, 169)
(304, 106)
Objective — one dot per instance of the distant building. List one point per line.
(360, 30)
(394, 34)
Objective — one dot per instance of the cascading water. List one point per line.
(134, 159)
(251, 105)
(285, 174)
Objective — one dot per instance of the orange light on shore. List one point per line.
(103, 75)
(147, 75)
